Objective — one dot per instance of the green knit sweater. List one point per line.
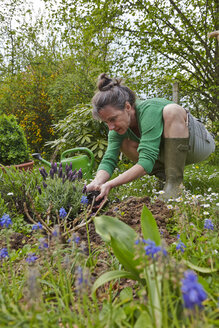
(149, 115)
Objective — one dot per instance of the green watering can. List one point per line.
(84, 162)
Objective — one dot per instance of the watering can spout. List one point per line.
(39, 157)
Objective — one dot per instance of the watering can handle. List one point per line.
(80, 149)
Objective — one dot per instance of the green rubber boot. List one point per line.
(175, 152)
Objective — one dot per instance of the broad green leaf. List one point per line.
(126, 294)
(144, 321)
(149, 226)
(199, 269)
(107, 227)
(111, 275)
(126, 258)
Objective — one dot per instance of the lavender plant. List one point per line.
(61, 190)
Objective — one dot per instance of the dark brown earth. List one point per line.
(128, 211)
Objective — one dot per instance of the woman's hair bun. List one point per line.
(105, 83)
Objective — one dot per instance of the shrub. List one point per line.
(13, 144)
(14, 187)
(80, 129)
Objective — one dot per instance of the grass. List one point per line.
(54, 290)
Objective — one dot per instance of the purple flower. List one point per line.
(55, 233)
(64, 178)
(74, 238)
(208, 224)
(44, 184)
(181, 246)
(43, 243)
(80, 174)
(84, 189)
(39, 189)
(60, 172)
(5, 221)
(3, 253)
(151, 249)
(69, 174)
(43, 173)
(73, 177)
(51, 173)
(37, 226)
(31, 258)
(79, 275)
(54, 167)
(82, 279)
(62, 213)
(192, 290)
(84, 200)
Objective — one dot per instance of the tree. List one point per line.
(159, 42)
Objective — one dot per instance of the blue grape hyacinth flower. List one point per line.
(84, 200)
(208, 224)
(193, 292)
(5, 221)
(181, 246)
(62, 213)
(31, 258)
(37, 226)
(43, 243)
(151, 249)
(3, 253)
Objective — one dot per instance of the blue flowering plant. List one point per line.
(140, 257)
(208, 224)
(3, 253)
(5, 221)
(193, 292)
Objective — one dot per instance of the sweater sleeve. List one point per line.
(151, 126)
(111, 155)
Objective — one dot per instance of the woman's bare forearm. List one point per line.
(131, 174)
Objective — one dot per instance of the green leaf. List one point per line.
(126, 258)
(144, 320)
(100, 153)
(149, 226)
(107, 227)
(111, 275)
(199, 269)
(126, 294)
(122, 239)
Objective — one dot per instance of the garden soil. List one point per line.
(128, 211)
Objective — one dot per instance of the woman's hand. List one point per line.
(104, 191)
(94, 185)
(101, 177)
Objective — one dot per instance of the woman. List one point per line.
(159, 136)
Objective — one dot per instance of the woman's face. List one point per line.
(116, 119)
